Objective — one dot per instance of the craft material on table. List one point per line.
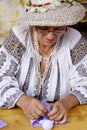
(2, 124)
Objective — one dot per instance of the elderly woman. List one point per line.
(43, 58)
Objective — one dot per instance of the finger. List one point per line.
(38, 108)
(54, 112)
(63, 120)
(39, 105)
(59, 117)
(34, 116)
(31, 117)
(41, 108)
(54, 116)
(39, 112)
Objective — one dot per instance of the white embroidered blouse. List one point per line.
(66, 74)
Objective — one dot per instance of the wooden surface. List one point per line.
(18, 121)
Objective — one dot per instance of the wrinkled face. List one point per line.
(47, 36)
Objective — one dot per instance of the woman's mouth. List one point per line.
(50, 40)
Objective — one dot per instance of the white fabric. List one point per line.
(70, 80)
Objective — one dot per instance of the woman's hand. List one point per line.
(32, 107)
(60, 109)
(58, 113)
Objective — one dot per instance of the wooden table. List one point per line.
(18, 121)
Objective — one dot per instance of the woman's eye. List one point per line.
(58, 30)
(44, 28)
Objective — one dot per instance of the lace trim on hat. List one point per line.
(14, 46)
(44, 5)
(79, 51)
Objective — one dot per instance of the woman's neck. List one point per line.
(45, 50)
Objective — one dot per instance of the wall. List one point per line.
(10, 11)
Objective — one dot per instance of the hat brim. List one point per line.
(62, 16)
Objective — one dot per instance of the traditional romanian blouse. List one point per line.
(66, 75)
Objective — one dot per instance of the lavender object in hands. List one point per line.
(37, 122)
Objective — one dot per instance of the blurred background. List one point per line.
(11, 10)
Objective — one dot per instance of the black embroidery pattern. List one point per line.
(82, 70)
(80, 96)
(79, 51)
(57, 93)
(45, 84)
(10, 100)
(41, 92)
(5, 89)
(14, 46)
(27, 80)
(2, 59)
(12, 69)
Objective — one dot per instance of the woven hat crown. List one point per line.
(52, 13)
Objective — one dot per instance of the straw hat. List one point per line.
(52, 13)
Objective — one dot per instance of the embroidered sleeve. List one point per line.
(14, 46)
(9, 67)
(79, 51)
(79, 72)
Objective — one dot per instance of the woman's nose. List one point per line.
(50, 35)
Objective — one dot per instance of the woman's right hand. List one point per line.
(32, 107)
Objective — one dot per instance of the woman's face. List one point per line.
(47, 36)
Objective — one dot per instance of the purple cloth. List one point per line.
(35, 123)
(2, 124)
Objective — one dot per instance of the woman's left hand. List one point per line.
(58, 113)
(60, 109)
